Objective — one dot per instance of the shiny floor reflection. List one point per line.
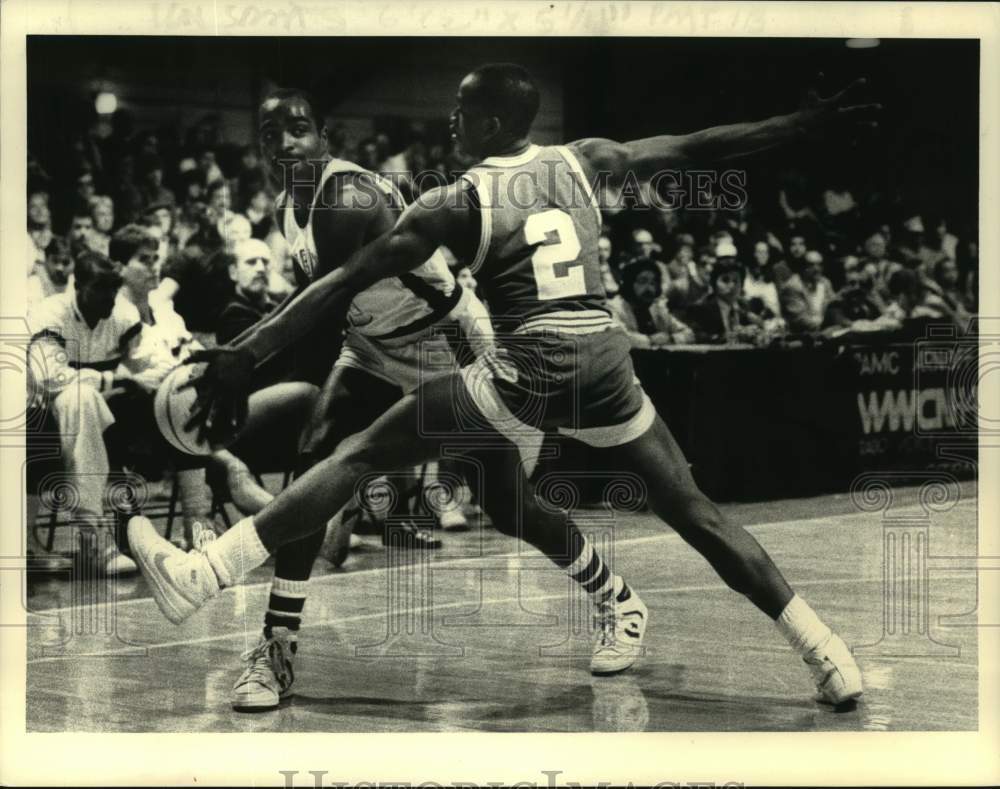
(481, 637)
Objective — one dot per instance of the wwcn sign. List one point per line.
(900, 409)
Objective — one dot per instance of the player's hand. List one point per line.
(843, 110)
(223, 388)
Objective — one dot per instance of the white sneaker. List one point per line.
(837, 676)
(268, 676)
(117, 564)
(620, 622)
(181, 582)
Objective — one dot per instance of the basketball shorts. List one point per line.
(405, 362)
(579, 385)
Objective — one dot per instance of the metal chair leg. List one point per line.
(172, 506)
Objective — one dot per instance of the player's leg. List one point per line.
(675, 498)
(350, 400)
(737, 557)
(509, 499)
(407, 434)
(276, 415)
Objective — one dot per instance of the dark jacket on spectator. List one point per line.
(238, 316)
(712, 326)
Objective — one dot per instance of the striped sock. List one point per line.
(284, 606)
(592, 574)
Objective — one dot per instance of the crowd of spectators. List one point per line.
(204, 195)
(807, 272)
(796, 261)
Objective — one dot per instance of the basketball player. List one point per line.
(328, 209)
(529, 221)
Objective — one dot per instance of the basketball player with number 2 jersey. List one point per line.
(529, 220)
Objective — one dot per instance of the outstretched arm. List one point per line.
(645, 157)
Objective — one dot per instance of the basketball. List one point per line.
(172, 408)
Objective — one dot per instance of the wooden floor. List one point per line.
(483, 638)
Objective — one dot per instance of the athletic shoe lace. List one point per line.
(605, 622)
(261, 661)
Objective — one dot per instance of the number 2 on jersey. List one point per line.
(558, 273)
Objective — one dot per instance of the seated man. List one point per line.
(857, 307)
(250, 272)
(806, 294)
(722, 317)
(79, 339)
(643, 312)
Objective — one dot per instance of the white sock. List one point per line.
(799, 624)
(236, 553)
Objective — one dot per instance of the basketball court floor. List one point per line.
(480, 636)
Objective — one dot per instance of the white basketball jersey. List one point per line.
(391, 307)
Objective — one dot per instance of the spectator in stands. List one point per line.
(127, 197)
(160, 215)
(39, 227)
(932, 247)
(102, 212)
(805, 296)
(677, 275)
(687, 280)
(192, 188)
(197, 278)
(909, 241)
(915, 305)
(81, 228)
(643, 312)
(796, 252)
(759, 289)
(723, 317)
(251, 177)
(219, 200)
(944, 285)
(210, 170)
(608, 275)
(857, 306)
(249, 270)
(968, 266)
(54, 275)
(151, 188)
(643, 245)
(79, 338)
(84, 190)
(260, 212)
(941, 239)
(876, 249)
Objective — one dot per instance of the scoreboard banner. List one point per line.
(760, 423)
